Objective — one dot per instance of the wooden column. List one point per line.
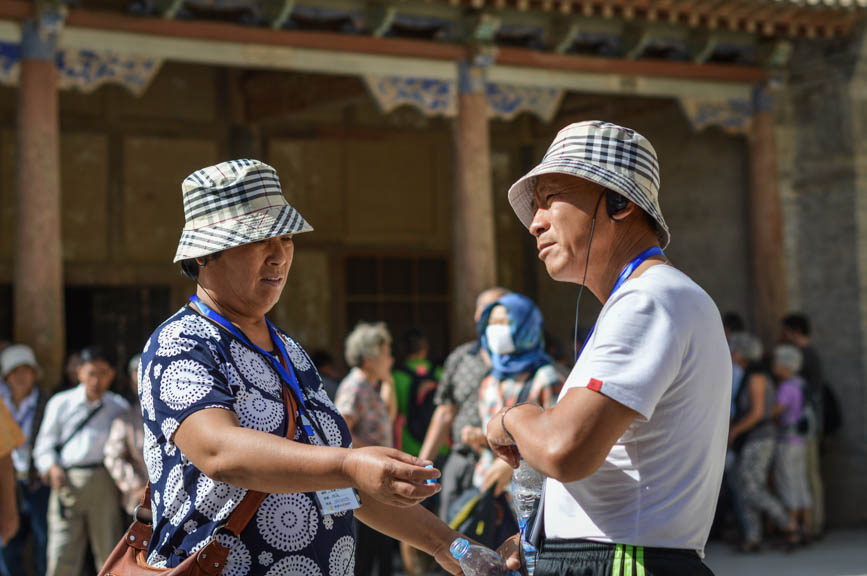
(474, 257)
(38, 271)
(766, 230)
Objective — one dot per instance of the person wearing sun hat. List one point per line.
(634, 448)
(19, 372)
(220, 388)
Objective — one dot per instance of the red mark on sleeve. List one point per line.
(595, 385)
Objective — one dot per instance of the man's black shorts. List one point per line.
(585, 558)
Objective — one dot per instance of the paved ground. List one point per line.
(839, 554)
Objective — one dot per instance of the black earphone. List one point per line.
(615, 203)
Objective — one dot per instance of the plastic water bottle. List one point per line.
(478, 560)
(526, 492)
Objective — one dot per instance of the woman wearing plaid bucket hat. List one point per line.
(634, 448)
(249, 462)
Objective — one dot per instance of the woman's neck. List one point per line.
(370, 376)
(256, 328)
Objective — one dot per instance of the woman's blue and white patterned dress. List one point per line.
(190, 364)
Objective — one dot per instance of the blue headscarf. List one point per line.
(525, 325)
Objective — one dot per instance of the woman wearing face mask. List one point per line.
(512, 334)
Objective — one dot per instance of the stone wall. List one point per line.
(823, 163)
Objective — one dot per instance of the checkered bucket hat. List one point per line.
(615, 157)
(232, 204)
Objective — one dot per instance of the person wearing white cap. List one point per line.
(634, 448)
(20, 371)
(221, 387)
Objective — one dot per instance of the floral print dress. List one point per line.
(191, 364)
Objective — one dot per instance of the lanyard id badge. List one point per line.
(337, 501)
(331, 501)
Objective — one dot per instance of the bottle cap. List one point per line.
(432, 480)
(459, 548)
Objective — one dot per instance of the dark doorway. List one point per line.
(119, 318)
(404, 292)
(6, 328)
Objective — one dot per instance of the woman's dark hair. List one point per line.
(190, 268)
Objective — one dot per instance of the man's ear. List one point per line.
(623, 214)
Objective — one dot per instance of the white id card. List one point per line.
(337, 501)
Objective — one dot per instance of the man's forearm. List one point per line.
(571, 440)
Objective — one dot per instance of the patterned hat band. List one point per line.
(616, 158)
(232, 204)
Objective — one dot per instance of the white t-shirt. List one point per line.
(659, 349)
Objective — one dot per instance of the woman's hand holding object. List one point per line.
(390, 476)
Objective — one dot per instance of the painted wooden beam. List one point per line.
(542, 61)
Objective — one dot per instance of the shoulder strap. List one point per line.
(59, 447)
(246, 508)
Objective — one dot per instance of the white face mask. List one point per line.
(499, 339)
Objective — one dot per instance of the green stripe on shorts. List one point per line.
(639, 561)
(627, 564)
(618, 559)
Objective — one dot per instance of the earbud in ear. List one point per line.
(615, 203)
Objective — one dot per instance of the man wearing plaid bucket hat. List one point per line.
(232, 405)
(635, 446)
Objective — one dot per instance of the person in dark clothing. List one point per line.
(796, 330)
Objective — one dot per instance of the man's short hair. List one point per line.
(414, 341)
(95, 354)
(797, 322)
(190, 268)
(733, 322)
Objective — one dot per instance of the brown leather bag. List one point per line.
(129, 557)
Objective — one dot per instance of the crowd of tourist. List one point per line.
(781, 409)
(78, 468)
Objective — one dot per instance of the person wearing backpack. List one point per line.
(795, 423)
(415, 385)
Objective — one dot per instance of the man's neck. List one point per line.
(18, 396)
(602, 282)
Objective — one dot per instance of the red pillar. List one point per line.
(38, 272)
(766, 228)
(473, 249)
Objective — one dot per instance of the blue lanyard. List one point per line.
(287, 372)
(624, 276)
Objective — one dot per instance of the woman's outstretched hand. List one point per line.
(390, 476)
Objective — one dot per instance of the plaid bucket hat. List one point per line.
(615, 157)
(232, 204)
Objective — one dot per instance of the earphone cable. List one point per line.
(575, 349)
